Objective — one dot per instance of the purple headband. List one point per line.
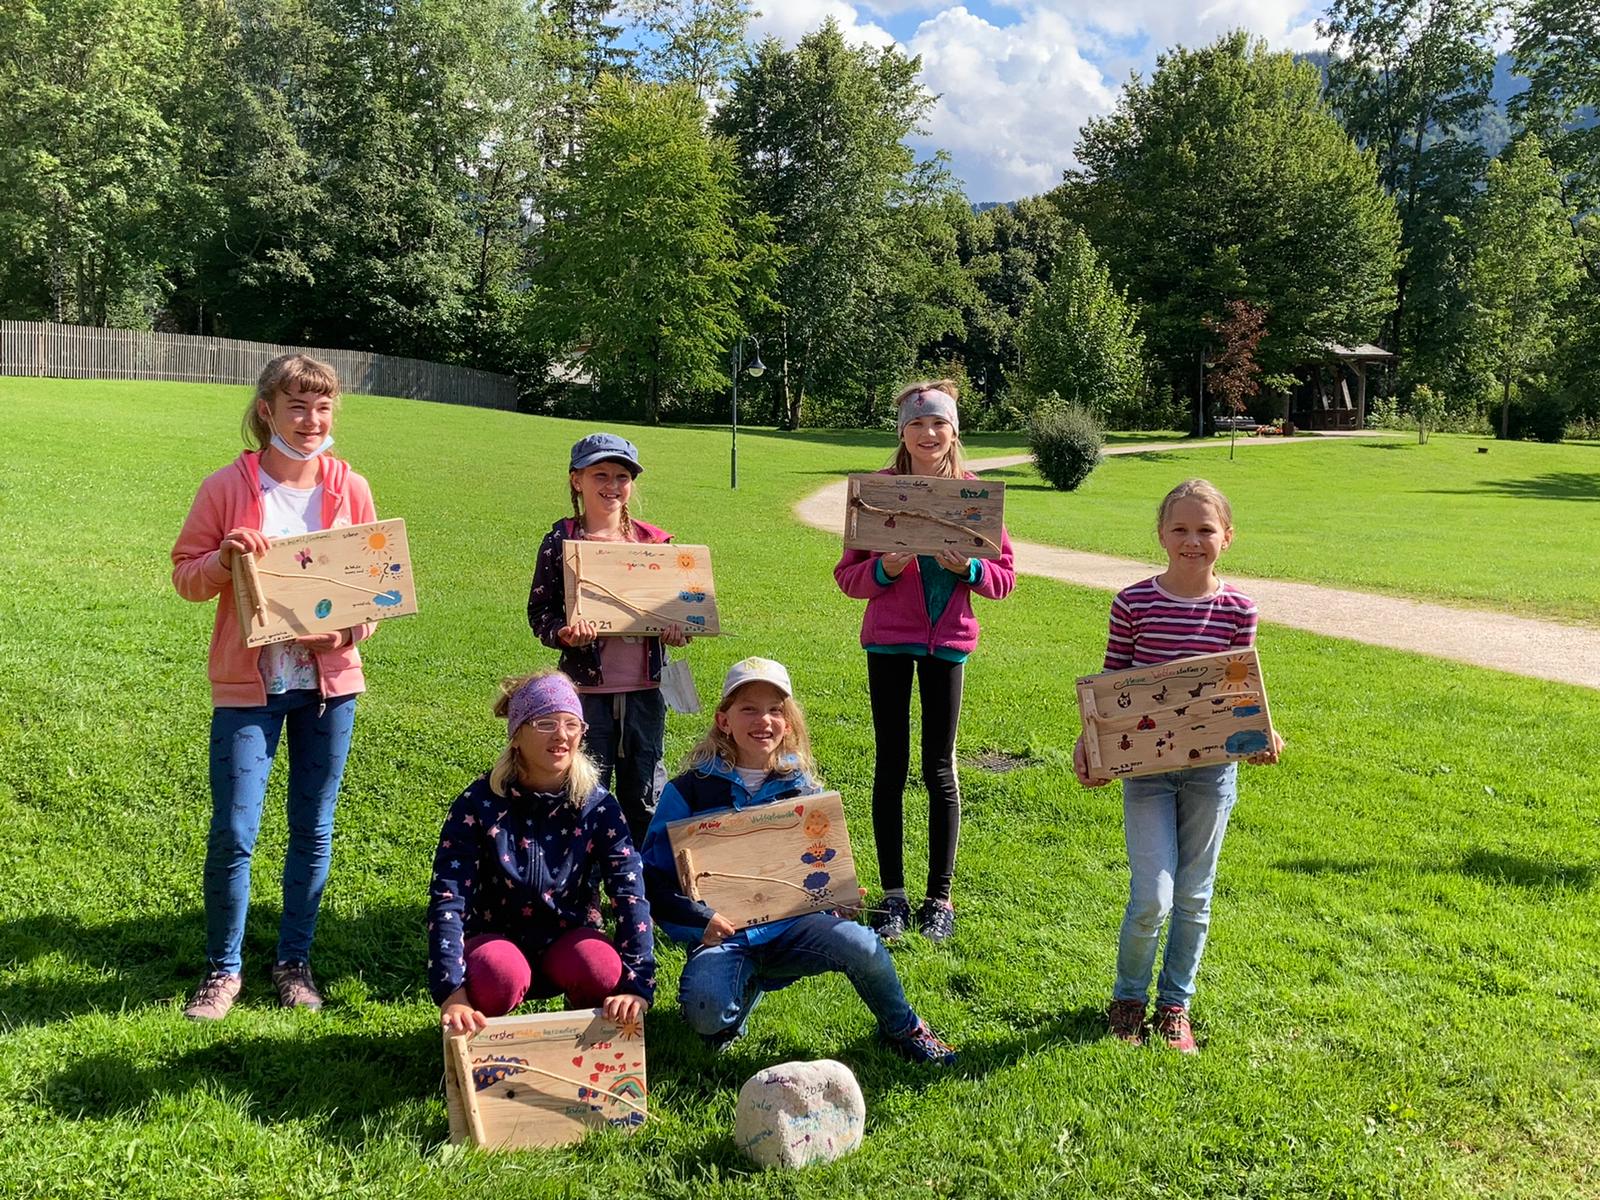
(928, 402)
(539, 697)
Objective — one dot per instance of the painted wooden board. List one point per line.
(768, 862)
(1191, 712)
(924, 514)
(501, 1088)
(322, 582)
(638, 588)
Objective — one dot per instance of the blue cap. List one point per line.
(601, 447)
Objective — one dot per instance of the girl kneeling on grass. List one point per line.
(507, 910)
(757, 752)
(1174, 822)
(287, 485)
(919, 622)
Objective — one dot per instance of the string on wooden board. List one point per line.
(355, 587)
(755, 878)
(579, 1083)
(626, 603)
(858, 502)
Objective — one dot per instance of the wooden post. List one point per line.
(1361, 393)
(461, 1068)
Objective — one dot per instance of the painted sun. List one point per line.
(1235, 674)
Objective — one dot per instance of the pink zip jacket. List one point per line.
(231, 498)
(898, 616)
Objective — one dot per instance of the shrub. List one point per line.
(1066, 441)
(1427, 409)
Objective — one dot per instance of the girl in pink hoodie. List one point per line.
(287, 485)
(919, 622)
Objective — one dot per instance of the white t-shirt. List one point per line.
(285, 512)
(752, 778)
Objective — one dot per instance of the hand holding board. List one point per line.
(639, 588)
(924, 514)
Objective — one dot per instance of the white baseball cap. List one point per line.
(756, 670)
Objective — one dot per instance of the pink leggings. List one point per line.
(582, 963)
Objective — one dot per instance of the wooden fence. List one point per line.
(86, 352)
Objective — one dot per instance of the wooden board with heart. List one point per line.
(924, 514)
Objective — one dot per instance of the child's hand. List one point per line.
(321, 641)
(956, 564)
(1269, 756)
(241, 540)
(461, 1017)
(625, 1007)
(718, 930)
(1080, 766)
(579, 633)
(673, 635)
(894, 563)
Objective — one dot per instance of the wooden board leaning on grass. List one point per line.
(321, 582)
(637, 588)
(544, 1079)
(924, 514)
(1191, 712)
(772, 861)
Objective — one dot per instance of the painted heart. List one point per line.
(798, 809)
(578, 1062)
(595, 1078)
(618, 1054)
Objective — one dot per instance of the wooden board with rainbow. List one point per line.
(544, 1079)
(1190, 712)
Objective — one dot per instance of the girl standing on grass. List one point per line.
(919, 622)
(757, 752)
(619, 678)
(508, 906)
(288, 484)
(1174, 822)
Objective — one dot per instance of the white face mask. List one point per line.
(288, 451)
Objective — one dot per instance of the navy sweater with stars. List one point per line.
(519, 865)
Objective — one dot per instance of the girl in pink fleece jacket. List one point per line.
(919, 621)
(288, 485)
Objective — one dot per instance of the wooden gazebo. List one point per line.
(1322, 399)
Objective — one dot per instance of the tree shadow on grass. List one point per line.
(1555, 485)
(1388, 445)
(1494, 866)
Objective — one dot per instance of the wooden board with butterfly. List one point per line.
(544, 1079)
(640, 588)
(924, 514)
(323, 582)
(771, 861)
(1190, 712)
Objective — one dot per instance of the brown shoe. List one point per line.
(296, 989)
(1172, 1023)
(1126, 1021)
(214, 997)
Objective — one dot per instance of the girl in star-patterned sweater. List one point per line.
(509, 902)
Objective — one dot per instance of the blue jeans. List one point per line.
(1174, 825)
(721, 984)
(243, 744)
(630, 746)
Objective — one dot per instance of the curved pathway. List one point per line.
(1519, 645)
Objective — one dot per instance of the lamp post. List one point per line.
(757, 368)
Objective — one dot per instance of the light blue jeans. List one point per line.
(1174, 825)
(721, 984)
(244, 742)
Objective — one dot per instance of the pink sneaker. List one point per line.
(214, 997)
(1172, 1023)
(1126, 1021)
(296, 989)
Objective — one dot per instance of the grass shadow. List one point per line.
(1555, 485)
(1388, 445)
(1499, 867)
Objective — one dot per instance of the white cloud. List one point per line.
(790, 20)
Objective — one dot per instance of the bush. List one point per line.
(1066, 441)
(1427, 409)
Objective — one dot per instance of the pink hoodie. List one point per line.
(897, 615)
(231, 498)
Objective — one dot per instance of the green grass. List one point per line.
(1511, 529)
(1398, 998)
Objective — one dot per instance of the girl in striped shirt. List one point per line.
(1174, 822)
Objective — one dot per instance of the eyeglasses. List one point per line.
(566, 726)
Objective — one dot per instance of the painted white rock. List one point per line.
(800, 1112)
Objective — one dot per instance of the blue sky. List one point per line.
(1018, 77)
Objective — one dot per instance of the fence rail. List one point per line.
(42, 348)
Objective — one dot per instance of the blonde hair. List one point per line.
(954, 463)
(577, 501)
(793, 753)
(583, 775)
(287, 372)
(1202, 490)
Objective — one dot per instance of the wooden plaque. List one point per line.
(636, 588)
(924, 514)
(544, 1079)
(1191, 712)
(322, 582)
(770, 861)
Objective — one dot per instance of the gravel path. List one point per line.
(1520, 645)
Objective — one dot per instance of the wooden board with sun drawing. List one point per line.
(324, 582)
(639, 588)
(1191, 712)
(924, 514)
(544, 1079)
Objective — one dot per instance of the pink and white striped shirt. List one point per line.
(1150, 625)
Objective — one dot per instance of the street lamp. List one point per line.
(757, 368)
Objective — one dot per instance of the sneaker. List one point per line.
(1126, 1021)
(214, 997)
(923, 1045)
(893, 919)
(296, 989)
(722, 1041)
(1172, 1024)
(937, 920)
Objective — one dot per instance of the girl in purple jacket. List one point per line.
(919, 622)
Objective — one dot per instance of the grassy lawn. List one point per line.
(1398, 999)
(1511, 529)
